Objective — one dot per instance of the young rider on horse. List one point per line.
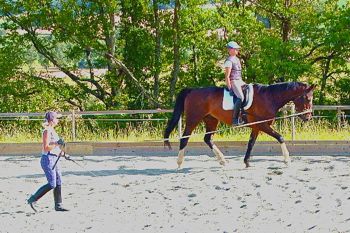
(233, 78)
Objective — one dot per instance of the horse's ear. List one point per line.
(312, 87)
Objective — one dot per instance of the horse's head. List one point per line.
(304, 103)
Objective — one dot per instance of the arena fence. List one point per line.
(296, 148)
(74, 115)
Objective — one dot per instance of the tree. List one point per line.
(327, 39)
(20, 91)
(79, 30)
(149, 50)
(176, 49)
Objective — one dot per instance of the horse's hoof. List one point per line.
(167, 144)
(287, 163)
(223, 163)
(247, 165)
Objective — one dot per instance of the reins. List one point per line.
(63, 153)
(70, 159)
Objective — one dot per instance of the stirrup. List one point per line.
(237, 122)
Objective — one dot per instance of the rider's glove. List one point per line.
(61, 142)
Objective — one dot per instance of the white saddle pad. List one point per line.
(227, 103)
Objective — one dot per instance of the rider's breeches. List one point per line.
(236, 86)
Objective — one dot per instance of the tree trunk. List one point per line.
(286, 29)
(176, 51)
(195, 65)
(157, 50)
(286, 23)
(325, 76)
(110, 36)
(110, 43)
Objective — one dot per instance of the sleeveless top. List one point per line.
(236, 68)
(53, 137)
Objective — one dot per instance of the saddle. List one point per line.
(248, 92)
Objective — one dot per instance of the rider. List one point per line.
(233, 78)
(50, 152)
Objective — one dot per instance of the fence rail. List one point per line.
(73, 115)
(152, 111)
(229, 148)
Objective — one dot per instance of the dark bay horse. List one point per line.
(206, 104)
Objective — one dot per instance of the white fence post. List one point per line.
(73, 125)
(285, 120)
(293, 122)
(339, 116)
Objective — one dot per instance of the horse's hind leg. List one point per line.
(190, 125)
(211, 124)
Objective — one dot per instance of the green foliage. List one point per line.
(342, 87)
(278, 61)
(281, 41)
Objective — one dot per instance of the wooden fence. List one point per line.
(73, 115)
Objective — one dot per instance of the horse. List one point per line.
(205, 104)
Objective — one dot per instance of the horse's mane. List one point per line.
(280, 87)
(272, 89)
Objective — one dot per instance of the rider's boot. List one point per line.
(236, 111)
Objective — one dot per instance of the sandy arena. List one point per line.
(148, 194)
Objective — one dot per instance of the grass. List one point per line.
(99, 131)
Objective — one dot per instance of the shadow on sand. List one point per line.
(100, 173)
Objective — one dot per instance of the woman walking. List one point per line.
(51, 150)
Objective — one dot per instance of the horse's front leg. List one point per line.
(253, 135)
(211, 124)
(267, 129)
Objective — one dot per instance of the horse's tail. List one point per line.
(178, 110)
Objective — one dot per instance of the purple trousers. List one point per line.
(53, 176)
